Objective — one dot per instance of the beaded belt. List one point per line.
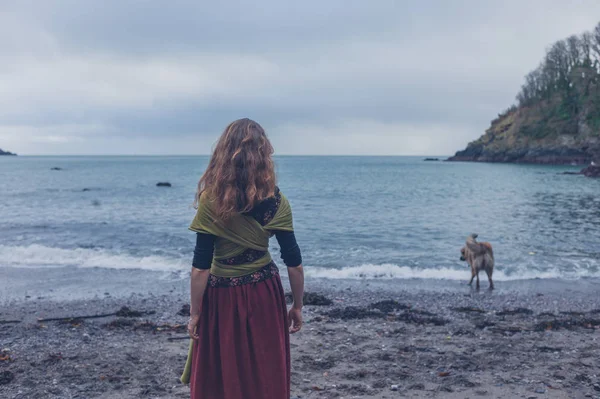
(261, 274)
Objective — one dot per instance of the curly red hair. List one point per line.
(241, 171)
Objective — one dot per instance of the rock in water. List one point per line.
(163, 184)
(431, 159)
(56, 168)
(591, 171)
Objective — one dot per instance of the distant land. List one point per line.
(6, 152)
(557, 119)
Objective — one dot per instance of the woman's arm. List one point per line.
(203, 254)
(198, 286)
(290, 253)
(296, 275)
(297, 285)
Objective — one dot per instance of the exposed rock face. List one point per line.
(6, 152)
(528, 135)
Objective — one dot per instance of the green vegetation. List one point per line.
(564, 87)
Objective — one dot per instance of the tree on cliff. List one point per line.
(567, 76)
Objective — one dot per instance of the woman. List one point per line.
(239, 323)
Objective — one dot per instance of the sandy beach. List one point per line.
(416, 339)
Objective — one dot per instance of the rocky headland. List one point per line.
(6, 152)
(557, 116)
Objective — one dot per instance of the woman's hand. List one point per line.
(199, 280)
(193, 326)
(295, 318)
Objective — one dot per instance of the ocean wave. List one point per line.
(391, 271)
(41, 256)
(35, 255)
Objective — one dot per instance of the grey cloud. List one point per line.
(184, 69)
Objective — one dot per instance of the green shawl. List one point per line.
(236, 235)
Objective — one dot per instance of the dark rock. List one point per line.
(354, 313)
(6, 377)
(120, 323)
(417, 317)
(549, 349)
(569, 323)
(380, 384)
(357, 375)
(431, 159)
(464, 381)
(572, 313)
(591, 171)
(311, 298)
(318, 364)
(389, 306)
(560, 376)
(583, 378)
(484, 324)
(56, 168)
(126, 312)
(53, 358)
(468, 309)
(163, 184)
(512, 312)
(446, 388)
(185, 310)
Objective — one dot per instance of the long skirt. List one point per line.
(243, 350)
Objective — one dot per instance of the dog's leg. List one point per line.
(477, 279)
(472, 277)
(490, 279)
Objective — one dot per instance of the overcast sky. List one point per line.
(323, 77)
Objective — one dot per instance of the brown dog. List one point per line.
(479, 256)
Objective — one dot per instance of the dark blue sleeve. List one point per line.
(290, 251)
(203, 253)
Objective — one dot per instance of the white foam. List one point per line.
(42, 256)
(391, 271)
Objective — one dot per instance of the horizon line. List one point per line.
(207, 155)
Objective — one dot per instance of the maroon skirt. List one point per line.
(243, 350)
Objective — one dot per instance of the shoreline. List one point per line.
(67, 283)
(428, 340)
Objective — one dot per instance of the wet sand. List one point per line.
(414, 339)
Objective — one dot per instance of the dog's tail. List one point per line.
(474, 246)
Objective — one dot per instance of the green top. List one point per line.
(238, 234)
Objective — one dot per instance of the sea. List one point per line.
(356, 218)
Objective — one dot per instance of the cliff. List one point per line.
(537, 134)
(6, 152)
